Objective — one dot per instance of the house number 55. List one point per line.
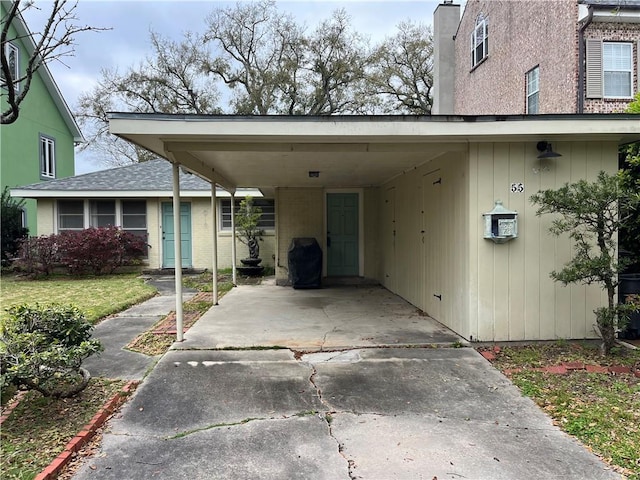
(517, 187)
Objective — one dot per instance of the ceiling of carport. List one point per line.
(288, 165)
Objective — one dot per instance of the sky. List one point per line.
(126, 42)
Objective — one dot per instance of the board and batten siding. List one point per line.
(423, 238)
(512, 296)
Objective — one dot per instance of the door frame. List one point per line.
(163, 205)
(360, 192)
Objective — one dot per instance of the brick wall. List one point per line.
(623, 32)
(522, 34)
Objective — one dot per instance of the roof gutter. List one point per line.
(581, 62)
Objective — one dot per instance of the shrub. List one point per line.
(99, 250)
(42, 348)
(94, 250)
(38, 255)
(11, 229)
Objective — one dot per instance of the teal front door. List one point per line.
(342, 234)
(168, 249)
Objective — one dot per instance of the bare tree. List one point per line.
(258, 53)
(335, 69)
(402, 76)
(169, 81)
(53, 42)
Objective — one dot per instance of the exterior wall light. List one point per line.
(546, 151)
(500, 224)
(314, 174)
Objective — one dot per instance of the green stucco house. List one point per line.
(39, 146)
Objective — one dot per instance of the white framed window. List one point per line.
(47, 157)
(130, 215)
(533, 91)
(609, 70)
(267, 221)
(479, 41)
(617, 66)
(12, 54)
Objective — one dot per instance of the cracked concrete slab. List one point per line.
(294, 448)
(428, 447)
(451, 383)
(327, 318)
(188, 390)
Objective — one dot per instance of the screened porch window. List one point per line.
(267, 221)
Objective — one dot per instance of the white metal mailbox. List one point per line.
(500, 224)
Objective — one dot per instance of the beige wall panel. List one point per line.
(486, 249)
(580, 324)
(46, 213)
(501, 253)
(475, 231)
(371, 241)
(562, 171)
(530, 242)
(516, 201)
(412, 281)
(299, 214)
(536, 307)
(388, 238)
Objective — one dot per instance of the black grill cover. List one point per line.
(305, 263)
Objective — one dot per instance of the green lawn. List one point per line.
(97, 297)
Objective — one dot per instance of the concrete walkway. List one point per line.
(118, 331)
(371, 411)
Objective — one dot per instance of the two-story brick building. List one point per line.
(522, 57)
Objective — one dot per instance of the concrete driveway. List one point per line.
(399, 402)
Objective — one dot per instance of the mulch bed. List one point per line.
(168, 325)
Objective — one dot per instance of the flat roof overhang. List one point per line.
(348, 151)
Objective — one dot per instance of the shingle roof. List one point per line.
(154, 175)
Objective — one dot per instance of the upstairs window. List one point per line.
(533, 91)
(12, 55)
(609, 72)
(47, 157)
(479, 41)
(267, 221)
(617, 66)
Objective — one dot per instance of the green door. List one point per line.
(168, 250)
(342, 234)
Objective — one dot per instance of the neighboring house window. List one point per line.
(47, 157)
(102, 213)
(12, 55)
(134, 217)
(267, 221)
(609, 69)
(617, 64)
(533, 91)
(70, 215)
(130, 215)
(479, 41)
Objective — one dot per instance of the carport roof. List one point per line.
(347, 151)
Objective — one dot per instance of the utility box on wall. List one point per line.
(500, 224)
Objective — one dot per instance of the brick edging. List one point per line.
(564, 367)
(6, 411)
(88, 431)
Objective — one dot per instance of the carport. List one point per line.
(399, 200)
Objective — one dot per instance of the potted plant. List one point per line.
(247, 221)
